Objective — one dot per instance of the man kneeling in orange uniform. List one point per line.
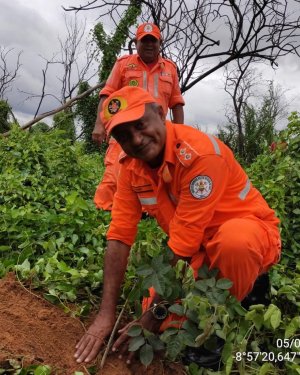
(199, 194)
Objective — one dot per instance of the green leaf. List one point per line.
(158, 284)
(177, 309)
(211, 282)
(258, 321)
(258, 307)
(239, 309)
(271, 309)
(266, 368)
(292, 327)
(174, 347)
(167, 333)
(135, 293)
(227, 351)
(155, 342)
(135, 343)
(144, 270)
(74, 238)
(193, 369)
(190, 327)
(203, 272)
(224, 284)
(134, 330)
(201, 285)
(42, 370)
(5, 248)
(51, 298)
(275, 319)
(228, 365)
(146, 354)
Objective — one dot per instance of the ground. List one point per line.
(33, 331)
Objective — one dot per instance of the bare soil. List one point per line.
(33, 331)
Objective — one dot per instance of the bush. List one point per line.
(276, 173)
(50, 230)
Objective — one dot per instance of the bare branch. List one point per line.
(67, 104)
(202, 36)
(7, 76)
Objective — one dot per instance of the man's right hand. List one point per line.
(98, 134)
(90, 344)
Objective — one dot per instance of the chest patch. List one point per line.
(133, 82)
(201, 187)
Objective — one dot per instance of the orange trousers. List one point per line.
(106, 189)
(242, 249)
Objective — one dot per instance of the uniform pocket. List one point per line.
(166, 83)
(133, 78)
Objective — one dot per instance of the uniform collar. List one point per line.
(160, 61)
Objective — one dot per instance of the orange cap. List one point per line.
(124, 105)
(147, 29)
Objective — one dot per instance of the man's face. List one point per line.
(148, 48)
(145, 138)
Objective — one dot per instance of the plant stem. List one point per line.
(112, 336)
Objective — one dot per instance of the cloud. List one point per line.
(33, 27)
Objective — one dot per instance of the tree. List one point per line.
(41, 127)
(7, 75)
(86, 112)
(256, 126)
(4, 116)
(110, 47)
(73, 64)
(204, 36)
(65, 121)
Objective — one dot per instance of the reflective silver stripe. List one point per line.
(173, 199)
(148, 201)
(245, 191)
(145, 85)
(215, 144)
(155, 85)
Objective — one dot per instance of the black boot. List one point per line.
(211, 358)
(207, 358)
(260, 293)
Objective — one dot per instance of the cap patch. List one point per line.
(148, 28)
(114, 106)
(201, 187)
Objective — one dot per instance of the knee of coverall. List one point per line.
(242, 250)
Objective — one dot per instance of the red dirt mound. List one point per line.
(33, 331)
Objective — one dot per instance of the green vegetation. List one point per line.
(109, 46)
(5, 111)
(51, 233)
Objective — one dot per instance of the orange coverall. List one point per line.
(161, 80)
(205, 202)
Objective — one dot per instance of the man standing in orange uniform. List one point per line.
(199, 194)
(148, 70)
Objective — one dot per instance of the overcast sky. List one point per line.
(34, 27)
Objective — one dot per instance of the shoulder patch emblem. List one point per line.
(113, 106)
(133, 82)
(201, 187)
(131, 66)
